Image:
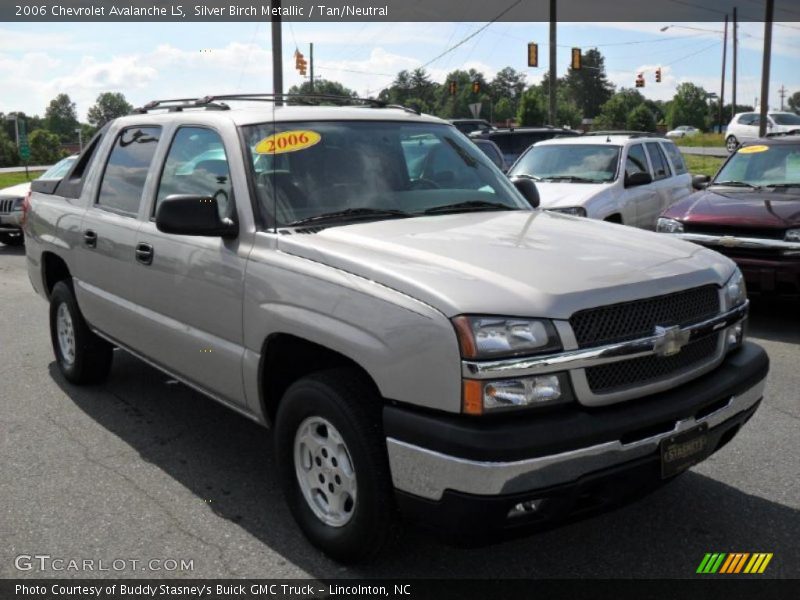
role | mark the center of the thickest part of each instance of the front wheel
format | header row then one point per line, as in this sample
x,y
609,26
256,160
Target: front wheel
x,y
82,356
731,144
333,464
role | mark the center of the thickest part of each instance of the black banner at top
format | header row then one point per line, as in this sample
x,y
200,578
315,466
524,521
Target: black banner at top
x,y
392,10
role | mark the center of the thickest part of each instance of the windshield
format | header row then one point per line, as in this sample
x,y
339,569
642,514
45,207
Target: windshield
x,y
341,170
580,163
761,166
785,119
58,170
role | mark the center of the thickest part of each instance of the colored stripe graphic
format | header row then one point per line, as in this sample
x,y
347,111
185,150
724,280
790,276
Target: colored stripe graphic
x,y
711,562
729,563
740,564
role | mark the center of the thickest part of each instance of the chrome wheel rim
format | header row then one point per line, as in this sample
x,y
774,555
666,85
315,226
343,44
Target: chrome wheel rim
x,y
324,471
66,334
731,144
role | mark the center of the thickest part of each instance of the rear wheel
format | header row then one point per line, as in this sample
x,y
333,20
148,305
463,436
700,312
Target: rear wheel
x,y
333,465
12,239
731,144
82,356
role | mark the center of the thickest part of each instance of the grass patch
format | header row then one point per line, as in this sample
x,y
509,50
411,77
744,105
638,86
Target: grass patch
x,y
709,140
9,179
702,165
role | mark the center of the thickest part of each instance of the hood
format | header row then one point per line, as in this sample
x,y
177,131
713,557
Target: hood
x,y
520,263
777,209
16,191
562,194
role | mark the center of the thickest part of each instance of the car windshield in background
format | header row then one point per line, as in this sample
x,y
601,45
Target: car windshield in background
x,y
786,119
344,171
576,163
775,165
58,170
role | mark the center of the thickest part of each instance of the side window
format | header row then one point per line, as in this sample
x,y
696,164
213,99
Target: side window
x,y
636,161
660,166
676,157
197,165
746,119
126,169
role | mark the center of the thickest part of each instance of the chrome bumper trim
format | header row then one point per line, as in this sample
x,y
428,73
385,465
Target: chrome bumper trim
x,y
591,357
732,241
428,474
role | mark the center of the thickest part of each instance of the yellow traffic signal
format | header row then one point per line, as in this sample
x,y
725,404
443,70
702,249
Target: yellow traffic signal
x,y
533,55
452,88
640,80
658,75
476,87
300,62
576,58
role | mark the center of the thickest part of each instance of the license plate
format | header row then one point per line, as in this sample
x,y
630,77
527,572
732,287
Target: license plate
x,y
683,450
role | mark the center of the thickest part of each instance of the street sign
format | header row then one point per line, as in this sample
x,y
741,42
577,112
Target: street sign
x,y
24,148
475,109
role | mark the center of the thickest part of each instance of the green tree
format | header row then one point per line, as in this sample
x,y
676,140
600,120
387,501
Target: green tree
x,y
506,87
457,106
614,113
588,87
568,115
45,147
415,85
61,118
107,107
8,151
688,107
641,119
503,110
794,102
322,86
532,109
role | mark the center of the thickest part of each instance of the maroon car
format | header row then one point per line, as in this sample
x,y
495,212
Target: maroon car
x,y
750,212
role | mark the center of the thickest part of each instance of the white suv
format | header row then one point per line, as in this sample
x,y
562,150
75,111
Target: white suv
x,y
744,126
627,179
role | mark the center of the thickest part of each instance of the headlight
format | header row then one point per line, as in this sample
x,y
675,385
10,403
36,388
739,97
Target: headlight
x,y
576,211
735,290
664,225
494,337
481,397
793,235
18,204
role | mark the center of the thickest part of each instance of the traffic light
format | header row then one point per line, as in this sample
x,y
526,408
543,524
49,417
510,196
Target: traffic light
x,y
533,55
476,87
452,88
576,58
640,80
300,62
658,75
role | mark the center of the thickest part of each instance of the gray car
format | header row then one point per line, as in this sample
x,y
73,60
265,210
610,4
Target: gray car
x,y
369,284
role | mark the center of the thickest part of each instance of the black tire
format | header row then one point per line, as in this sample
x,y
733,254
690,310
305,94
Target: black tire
x,y
92,354
12,239
614,219
351,404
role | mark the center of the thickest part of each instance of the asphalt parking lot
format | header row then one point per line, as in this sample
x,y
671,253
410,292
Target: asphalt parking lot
x,y
143,468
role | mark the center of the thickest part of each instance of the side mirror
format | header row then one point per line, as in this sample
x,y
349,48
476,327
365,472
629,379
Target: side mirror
x,y
700,182
186,214
640,178
528,190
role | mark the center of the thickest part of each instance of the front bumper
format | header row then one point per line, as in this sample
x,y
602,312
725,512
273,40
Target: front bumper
x,y
437,461
11,222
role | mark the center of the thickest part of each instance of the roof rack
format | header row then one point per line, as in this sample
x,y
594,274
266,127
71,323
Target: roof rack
x,y
213,102
631,134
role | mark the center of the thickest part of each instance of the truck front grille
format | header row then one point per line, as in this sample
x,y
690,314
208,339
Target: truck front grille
x,y
639,318
614,377
6,204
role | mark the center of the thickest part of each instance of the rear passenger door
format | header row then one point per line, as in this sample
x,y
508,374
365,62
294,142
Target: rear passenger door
x,y
108,233
189,289
680,184
639,203
663,180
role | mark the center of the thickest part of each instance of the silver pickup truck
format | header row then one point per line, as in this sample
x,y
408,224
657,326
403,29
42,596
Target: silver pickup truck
x,y
423,340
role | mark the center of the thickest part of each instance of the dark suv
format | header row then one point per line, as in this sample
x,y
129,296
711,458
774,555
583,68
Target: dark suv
x,y
514,141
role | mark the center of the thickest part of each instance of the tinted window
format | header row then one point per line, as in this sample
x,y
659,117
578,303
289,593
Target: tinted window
x,y
197,165
660,166
491,151
786,119
777,164
126,170
747,119
636,161
577,163
676,157
58,170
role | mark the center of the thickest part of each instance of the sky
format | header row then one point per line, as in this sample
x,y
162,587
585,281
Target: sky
x,y
146,61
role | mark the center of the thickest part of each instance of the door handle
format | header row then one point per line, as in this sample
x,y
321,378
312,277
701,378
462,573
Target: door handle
x,y
90,238
144,253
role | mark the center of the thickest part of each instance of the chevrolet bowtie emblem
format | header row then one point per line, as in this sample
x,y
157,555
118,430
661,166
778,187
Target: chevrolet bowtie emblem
x,y
728,241
670,340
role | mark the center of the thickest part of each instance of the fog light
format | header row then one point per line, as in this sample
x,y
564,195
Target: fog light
x,y
525,508
510,393
735,336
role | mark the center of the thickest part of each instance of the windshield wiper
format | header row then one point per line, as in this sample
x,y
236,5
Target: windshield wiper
x,y
572,178
782,185
470,205
737,184
526,176
351,213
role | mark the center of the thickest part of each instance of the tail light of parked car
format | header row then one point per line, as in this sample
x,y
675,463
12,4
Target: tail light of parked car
x,y
26,206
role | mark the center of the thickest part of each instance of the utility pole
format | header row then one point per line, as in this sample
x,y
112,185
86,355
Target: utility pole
x,y
551,113
722,78
768,15
311,65
735,50
277,54
782,94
